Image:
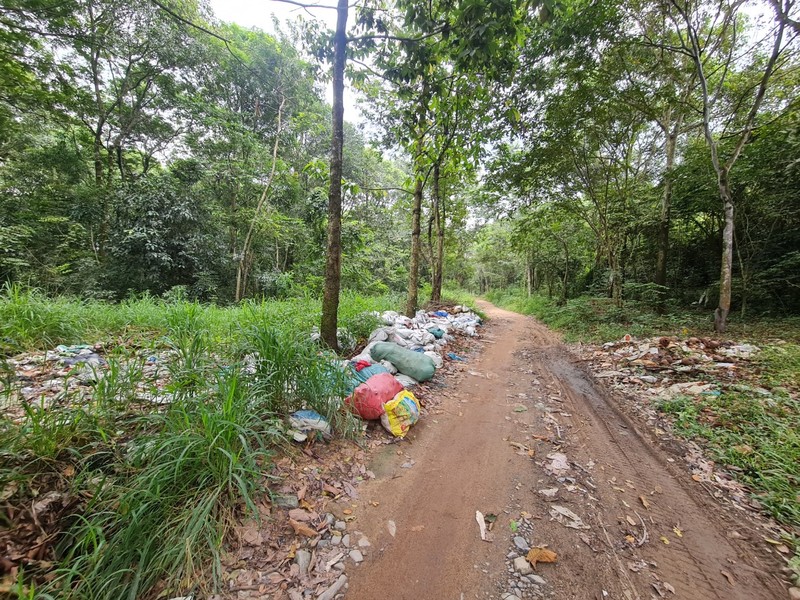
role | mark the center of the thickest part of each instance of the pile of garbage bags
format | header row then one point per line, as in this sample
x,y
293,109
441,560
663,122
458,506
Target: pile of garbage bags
x,y
398,356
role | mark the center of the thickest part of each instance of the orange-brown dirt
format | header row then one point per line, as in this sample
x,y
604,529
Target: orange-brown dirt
x,y
650,530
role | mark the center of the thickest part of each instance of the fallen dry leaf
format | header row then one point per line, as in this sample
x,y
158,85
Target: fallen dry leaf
x,y
541,554
630,539
302,529
677,531
390,525
630,520
644,501
665,540
347,511
729,577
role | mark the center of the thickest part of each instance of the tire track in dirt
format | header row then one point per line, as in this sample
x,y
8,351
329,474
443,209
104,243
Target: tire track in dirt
x,y
464,463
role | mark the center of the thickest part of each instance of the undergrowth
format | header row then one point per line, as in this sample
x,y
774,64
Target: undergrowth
x,y
147,490
752,429
595,319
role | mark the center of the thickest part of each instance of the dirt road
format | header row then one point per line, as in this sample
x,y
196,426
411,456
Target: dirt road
x,y
644,529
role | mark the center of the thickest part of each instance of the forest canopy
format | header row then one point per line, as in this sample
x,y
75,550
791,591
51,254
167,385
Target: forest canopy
x,y
641,150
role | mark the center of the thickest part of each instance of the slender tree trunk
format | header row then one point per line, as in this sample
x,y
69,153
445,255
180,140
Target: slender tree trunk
x,y
564,294
666,205
333,262
726,272
528,276
245,259
616,279
438,262
416,210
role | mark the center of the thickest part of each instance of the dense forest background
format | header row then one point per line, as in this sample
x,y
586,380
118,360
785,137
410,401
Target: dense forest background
x,y
619,149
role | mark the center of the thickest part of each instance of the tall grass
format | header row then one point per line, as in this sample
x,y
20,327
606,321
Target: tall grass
x,y
163,483
29,320
180,489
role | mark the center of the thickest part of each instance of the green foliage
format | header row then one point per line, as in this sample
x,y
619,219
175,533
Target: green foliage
x,y
755,436
182,486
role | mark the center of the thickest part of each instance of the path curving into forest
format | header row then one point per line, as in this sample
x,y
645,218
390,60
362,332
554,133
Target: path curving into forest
x,y
649,530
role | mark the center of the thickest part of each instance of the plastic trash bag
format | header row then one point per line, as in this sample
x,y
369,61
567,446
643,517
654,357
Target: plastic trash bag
x,y
413,364
401,412
305,422
368,398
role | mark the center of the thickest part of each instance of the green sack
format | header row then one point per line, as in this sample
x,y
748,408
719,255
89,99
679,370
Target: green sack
x,y
413,364
437,332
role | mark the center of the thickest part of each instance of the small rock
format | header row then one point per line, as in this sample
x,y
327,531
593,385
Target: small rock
x,y
285,501
794,593
537,580
331,592
522,566
340,526
346,541
521,544
356,556
336,539
330,519
295,595
512,554
303,559
509,596
323,543
363,542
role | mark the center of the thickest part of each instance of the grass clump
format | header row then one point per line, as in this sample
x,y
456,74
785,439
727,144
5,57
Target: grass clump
x,y
151,470
757,438
163,523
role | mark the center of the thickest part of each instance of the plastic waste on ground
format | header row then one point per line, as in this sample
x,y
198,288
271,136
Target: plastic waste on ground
x,y
308,423
401,413
406,381
408,362
362,376
369,397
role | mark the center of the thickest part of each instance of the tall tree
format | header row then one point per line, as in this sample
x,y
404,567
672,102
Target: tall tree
x,y
715,59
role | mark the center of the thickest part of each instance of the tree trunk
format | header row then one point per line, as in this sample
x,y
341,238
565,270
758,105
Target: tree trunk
x,y
416,210
245,258
616,279
726,273
438,261
528,277
333,262
666,205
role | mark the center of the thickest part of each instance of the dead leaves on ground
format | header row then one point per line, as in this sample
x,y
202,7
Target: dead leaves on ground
x,y
541,554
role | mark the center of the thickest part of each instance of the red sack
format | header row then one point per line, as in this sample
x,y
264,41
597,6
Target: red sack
x,y
368,398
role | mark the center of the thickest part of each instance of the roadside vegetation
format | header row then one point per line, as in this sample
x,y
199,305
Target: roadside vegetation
x,y
136,473
751,428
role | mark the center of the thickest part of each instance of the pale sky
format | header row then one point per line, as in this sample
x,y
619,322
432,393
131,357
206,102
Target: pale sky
x,y
259,14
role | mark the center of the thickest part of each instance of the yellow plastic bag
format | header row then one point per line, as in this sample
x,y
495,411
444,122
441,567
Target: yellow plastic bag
x,y
402,412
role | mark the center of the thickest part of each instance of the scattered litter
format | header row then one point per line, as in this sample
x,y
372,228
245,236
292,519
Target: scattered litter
x,y
566,517
456,357
558,465
637,565
308,422
549,493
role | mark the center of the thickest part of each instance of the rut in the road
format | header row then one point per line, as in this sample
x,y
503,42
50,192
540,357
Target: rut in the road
x,y
525,387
